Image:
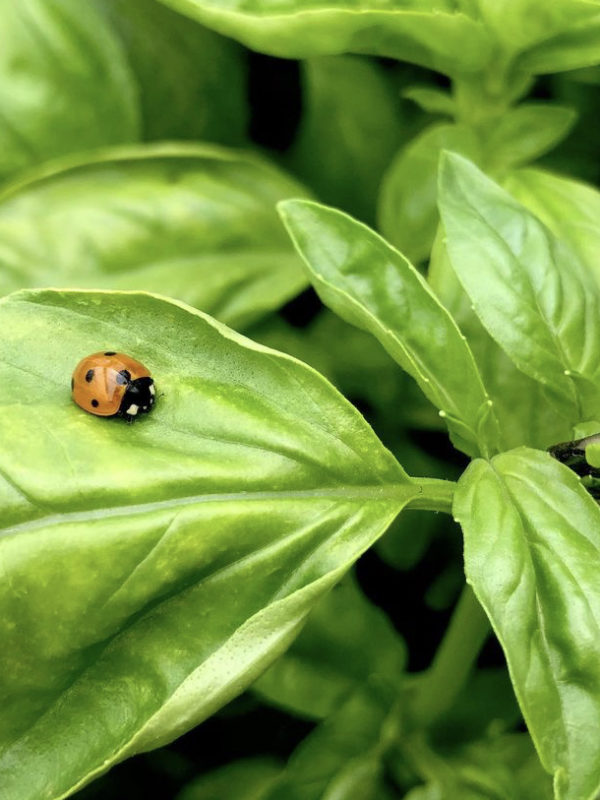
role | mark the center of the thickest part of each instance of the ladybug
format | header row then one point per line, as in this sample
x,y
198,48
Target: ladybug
x,y
113,385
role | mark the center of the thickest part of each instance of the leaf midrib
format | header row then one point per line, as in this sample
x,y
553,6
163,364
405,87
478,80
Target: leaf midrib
x,y
360,493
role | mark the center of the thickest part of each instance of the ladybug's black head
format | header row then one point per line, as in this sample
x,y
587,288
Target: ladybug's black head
x,y
138,399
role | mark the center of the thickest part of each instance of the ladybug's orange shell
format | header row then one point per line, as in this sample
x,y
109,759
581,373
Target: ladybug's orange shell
x,y
95,386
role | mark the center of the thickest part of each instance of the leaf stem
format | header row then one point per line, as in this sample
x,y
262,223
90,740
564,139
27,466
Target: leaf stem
x,y
453,661
435,495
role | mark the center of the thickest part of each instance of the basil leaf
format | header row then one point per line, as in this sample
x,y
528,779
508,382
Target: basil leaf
x,y
65,84
198,92
152,572
407,211
196,222
350,117
571,209
432,34
346,642
247,779
532,543
373,286
528,288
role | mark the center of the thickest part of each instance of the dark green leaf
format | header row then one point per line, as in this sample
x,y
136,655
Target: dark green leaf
x,y
346,642
532,545
350,118
65,85
191,81
373,286
195,222
152,572
250,779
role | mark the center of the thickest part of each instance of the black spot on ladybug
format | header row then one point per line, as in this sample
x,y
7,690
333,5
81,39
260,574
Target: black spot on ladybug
x,y
72,384
110,353
123,377
89,375
95,403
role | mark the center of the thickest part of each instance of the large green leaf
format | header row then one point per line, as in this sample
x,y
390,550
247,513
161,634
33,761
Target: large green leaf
x,y
64,82
528,288
373,286
532,545
346,642
571,209
150,573
194,222
350,117
198,92
433,34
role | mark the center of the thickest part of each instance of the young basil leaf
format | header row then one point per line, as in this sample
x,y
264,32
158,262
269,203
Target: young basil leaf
x,y
529,289
152,572
571,209
532,544
343,758
198,92
431,99
373,286
247,779
351,117
524,133
526,411
346,642
65,85
196,222
407,211
432,34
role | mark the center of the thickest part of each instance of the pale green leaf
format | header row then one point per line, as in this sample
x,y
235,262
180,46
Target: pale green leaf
x,y
528,288
532,544
433,34
195,222
65,84
571,209
152,572
407,210
525,409
370,284
524,133
431,99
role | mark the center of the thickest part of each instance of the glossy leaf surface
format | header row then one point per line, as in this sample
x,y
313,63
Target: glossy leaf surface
x,y
195,222
65,84
528,288
532,543
571,209
434,34
151,572
373,286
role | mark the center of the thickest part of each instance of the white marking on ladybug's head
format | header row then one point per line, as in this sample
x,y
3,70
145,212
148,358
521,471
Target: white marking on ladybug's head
x,y
152,389
133,409
144,408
